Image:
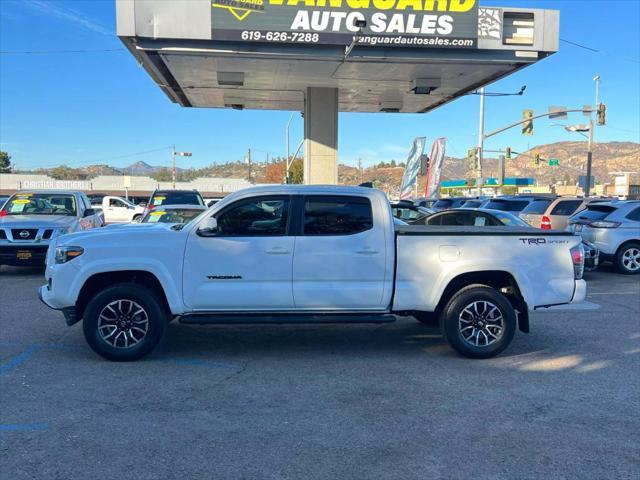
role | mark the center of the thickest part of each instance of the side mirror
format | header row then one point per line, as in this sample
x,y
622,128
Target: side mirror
x,y
89,212
208,227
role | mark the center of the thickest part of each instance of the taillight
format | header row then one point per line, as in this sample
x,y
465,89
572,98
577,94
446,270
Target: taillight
x,y
3,213
577,257
546,223
604,224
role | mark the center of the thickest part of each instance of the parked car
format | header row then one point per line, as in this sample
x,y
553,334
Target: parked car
x,y
425,202
513,204
118,210
173,197
497,218
31,219
451,202
410,213
173,214
614,228
238,264
553,213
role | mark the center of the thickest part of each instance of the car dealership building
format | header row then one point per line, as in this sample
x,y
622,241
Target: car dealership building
x,y
321,57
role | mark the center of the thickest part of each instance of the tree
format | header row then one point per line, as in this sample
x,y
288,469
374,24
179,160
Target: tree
x,y
274,172
5,162
63,172
296,171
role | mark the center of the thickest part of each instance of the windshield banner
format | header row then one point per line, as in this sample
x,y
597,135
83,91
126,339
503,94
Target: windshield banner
x,y
387,23
412,168
436,161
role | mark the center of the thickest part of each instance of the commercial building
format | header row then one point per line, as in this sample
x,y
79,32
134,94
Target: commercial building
x,y
321,57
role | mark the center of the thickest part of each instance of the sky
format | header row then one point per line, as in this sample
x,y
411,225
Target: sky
x,y
102,108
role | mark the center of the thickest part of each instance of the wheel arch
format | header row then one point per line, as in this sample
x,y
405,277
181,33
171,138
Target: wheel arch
x,y
98,281
500,280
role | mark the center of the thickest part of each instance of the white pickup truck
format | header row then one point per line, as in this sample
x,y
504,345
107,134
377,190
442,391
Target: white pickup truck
x,y
119,210
294,254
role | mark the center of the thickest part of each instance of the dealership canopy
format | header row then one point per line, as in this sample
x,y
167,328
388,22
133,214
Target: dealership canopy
x,y
322,57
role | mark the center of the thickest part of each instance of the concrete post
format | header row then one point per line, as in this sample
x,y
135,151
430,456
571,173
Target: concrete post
x,y
321,136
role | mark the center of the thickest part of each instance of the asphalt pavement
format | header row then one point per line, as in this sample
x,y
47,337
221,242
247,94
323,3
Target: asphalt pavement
x,y
324,402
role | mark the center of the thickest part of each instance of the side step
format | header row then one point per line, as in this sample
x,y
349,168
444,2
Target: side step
x,y
283,318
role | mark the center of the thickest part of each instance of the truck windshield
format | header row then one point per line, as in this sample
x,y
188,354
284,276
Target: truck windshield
x,y
40,204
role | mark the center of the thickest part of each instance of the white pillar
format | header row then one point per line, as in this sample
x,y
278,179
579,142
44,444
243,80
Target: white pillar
x,y
321,136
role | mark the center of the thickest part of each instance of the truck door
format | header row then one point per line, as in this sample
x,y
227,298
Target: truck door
x,y
246,265
340,258
117,211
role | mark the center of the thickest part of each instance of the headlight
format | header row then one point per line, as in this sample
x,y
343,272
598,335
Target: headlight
x,y
64,254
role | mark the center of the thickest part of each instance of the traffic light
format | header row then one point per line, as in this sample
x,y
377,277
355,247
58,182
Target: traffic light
x,y
507,153
527,126
536,158
472,158
602,114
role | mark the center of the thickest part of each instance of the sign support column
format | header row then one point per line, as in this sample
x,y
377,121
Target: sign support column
x,y
321,136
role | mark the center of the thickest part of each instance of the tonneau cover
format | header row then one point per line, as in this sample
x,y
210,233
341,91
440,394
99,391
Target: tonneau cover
x,y
446,230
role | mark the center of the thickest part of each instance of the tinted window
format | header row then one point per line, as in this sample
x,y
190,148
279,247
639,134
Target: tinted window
x,y
472,204
633,215
114,202
537,207
507,205
461,219
337,215
407,214
446,203
177,198
257,217
566,207
593,212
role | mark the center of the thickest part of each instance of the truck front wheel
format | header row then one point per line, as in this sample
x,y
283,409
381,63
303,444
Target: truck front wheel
x,y
479,322
124,322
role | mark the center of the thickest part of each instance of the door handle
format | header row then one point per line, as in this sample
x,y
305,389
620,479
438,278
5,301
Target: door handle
x,y
367,252
277,251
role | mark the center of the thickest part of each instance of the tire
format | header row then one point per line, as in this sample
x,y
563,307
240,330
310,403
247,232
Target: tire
x,y
627,259
474,311
136,217
116,329
428,318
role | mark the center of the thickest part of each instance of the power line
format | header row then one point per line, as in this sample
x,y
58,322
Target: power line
x,y
53,52
594,50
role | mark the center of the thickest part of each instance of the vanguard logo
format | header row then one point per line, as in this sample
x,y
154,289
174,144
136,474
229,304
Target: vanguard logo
x,y
240,8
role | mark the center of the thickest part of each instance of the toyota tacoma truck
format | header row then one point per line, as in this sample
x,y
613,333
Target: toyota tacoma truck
x,y
31,219
119,210
295,254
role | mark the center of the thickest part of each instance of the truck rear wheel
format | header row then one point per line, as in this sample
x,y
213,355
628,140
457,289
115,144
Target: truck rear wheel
x,y
124,322
479,322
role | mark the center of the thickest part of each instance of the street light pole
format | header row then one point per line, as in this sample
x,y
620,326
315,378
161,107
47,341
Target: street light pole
x,y
480,142
592,125
287,142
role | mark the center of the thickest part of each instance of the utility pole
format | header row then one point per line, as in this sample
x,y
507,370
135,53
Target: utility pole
x,y
592,126
173,170
249,164
480,142
360,169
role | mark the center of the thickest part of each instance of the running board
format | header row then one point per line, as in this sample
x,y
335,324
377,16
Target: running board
x,y
282,318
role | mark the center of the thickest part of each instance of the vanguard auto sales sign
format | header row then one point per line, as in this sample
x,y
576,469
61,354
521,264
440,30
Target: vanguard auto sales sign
x,y
387,23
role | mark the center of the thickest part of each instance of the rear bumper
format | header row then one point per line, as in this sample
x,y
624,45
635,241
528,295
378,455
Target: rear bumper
x,y
19,255
580,292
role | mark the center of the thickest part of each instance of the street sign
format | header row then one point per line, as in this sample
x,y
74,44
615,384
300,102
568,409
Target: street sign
x,y
582,181
558,112
554,162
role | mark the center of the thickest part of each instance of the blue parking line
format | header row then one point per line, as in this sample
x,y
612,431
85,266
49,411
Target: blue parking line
x,y
18,359
23,427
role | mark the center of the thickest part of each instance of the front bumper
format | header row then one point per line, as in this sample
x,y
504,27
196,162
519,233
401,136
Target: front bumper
x,y
23,254
69,313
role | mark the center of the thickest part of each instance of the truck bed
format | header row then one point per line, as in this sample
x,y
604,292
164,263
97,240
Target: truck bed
x,y
477,231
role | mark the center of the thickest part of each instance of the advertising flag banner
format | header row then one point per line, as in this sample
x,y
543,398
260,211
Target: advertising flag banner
x,y
435,167
384,23
410,176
